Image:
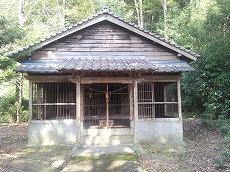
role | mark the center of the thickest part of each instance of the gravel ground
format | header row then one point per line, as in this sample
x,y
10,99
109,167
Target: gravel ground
x,y
198,154
204,147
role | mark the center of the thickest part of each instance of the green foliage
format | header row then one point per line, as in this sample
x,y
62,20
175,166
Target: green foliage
x,y
219,162
207,89
222,160
6,68
8,109
9,32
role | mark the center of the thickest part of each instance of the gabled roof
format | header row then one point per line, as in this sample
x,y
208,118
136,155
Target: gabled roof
x,y
107,15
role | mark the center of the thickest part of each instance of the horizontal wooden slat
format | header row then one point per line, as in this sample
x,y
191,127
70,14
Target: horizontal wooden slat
x,y
100,45
102,39
53,104
105,41
148,56
80,49
156,103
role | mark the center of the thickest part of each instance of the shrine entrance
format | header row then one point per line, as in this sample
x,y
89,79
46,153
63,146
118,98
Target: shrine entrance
x,y
106,105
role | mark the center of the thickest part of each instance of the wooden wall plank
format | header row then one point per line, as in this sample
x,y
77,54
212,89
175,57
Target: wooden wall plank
x,y
104,38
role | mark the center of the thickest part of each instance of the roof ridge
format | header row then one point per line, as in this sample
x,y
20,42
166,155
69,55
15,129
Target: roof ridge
x,y
105,10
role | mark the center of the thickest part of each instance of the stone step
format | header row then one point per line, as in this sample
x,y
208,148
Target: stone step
x,y
107,140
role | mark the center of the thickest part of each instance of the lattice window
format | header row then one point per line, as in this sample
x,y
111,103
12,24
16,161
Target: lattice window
x,y
54,101
157,100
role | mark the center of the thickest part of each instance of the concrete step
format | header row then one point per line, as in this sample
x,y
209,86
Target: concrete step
x,y
96,150
107,140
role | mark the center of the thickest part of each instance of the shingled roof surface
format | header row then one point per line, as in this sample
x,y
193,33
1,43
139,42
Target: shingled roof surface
x,y
105,11
70,65
111,64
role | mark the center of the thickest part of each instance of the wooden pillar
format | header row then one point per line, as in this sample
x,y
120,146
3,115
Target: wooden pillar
x,y
82,107
107,106
30,101
153,101
135,112
131,102
165,100
78,110
39,101
179,99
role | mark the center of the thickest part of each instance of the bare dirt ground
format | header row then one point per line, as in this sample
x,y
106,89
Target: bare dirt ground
x,y
198,154
202,147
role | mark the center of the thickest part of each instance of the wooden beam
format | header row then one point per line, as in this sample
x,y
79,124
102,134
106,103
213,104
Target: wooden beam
x,y
45,78
90,80
78,111
158,78
135,112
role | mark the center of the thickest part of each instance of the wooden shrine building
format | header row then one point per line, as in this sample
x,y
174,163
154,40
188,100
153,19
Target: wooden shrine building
x,y
104,80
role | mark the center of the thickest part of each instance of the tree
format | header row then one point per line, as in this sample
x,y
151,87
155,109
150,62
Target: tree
x,y
210,83
10,33
164,5
139,12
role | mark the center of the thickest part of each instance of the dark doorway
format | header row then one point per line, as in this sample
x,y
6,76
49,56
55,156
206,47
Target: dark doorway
x,y
106,105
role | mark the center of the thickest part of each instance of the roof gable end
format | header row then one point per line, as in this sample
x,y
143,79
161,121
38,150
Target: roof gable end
x,y
107,15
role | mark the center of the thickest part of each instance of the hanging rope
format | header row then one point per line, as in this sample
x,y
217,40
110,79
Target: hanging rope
x,y
99,91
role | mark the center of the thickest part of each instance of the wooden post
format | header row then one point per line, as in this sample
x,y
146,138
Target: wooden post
x,y
44,101
165,100
107,106
39,101
131,102
57,100
135,112
30,100
78,110
179,100
82,107
153,101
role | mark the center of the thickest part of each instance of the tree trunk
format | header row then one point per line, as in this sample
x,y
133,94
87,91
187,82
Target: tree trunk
x,y
19,92
21,12
141,14
61,14
139,11
164,5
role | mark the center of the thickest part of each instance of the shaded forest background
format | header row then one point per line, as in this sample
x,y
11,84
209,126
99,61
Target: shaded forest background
x,y
200,25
